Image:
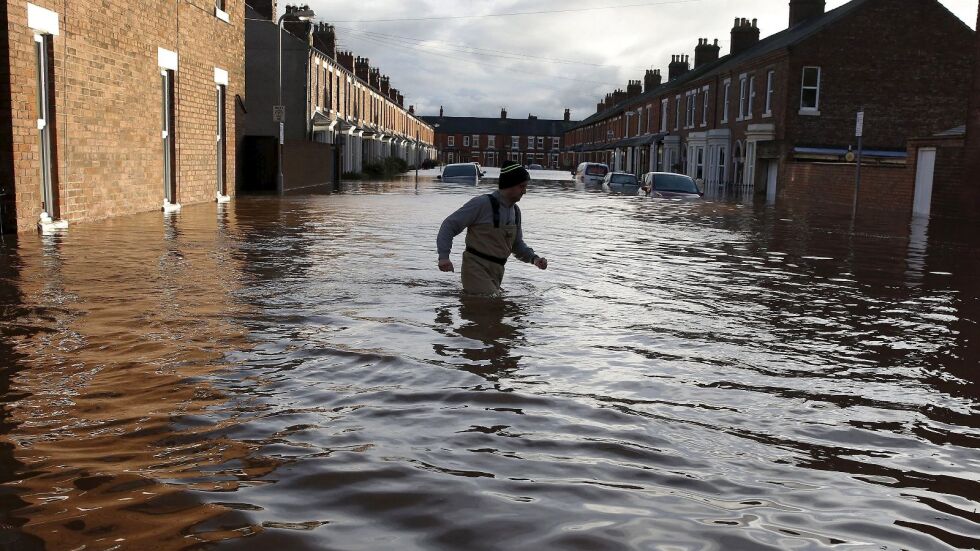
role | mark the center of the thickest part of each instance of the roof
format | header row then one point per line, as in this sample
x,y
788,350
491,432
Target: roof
x,y
488,125
781,40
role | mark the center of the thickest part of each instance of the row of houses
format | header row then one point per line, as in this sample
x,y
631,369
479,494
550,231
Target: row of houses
x,y
777,116
109,108
491,141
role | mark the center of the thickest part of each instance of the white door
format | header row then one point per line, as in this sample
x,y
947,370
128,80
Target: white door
x,y
771,177
923,181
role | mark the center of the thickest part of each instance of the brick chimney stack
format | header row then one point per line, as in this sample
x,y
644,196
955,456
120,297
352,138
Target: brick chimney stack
x,y
568,115
618,96
400,99
266,8
679,65
411,109
634,88
652,79
362,68
385,85
503,113
325,39
706,52
745,34
801,10
600,107
346,60
375,75
300,29
440,111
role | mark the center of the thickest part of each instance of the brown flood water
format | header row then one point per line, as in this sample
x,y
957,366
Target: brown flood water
x,y
295,374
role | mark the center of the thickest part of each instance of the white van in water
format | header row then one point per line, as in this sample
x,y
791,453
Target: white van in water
x,y
591,173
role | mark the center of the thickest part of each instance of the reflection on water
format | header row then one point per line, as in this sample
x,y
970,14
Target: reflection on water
x,y
295,373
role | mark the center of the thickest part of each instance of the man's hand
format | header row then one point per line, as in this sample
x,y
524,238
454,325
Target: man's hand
x,y
446,265
541,263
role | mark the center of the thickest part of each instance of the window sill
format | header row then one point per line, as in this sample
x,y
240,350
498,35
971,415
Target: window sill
x,y
222,15
810,112
767,115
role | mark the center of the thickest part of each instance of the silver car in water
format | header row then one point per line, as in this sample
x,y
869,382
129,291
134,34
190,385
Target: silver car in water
x,y
461,173
622,183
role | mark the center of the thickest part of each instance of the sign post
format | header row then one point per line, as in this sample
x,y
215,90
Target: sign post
x,y
859,133
279,116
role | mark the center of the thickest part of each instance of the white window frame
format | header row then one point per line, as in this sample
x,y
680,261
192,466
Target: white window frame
x,y
540,142
649,126
515,142
491,141
726,107
770,92
451,141
530,142
743,93
751,97
677,112
466,140
475,141
219,10
815,110
555,142
705,105
664,114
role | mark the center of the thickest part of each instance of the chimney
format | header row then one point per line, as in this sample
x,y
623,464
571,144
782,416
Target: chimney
x,y
531,117
679,65
634,88
401,99
745,34
325,39
265,8
801,10
411,109
652,79
440,111
600,107
301,29
503,113
385,85
618,96
568,115
375,81
706,52
362,68
346,60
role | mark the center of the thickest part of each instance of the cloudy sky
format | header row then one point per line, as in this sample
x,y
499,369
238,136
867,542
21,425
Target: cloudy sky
x,y
538,63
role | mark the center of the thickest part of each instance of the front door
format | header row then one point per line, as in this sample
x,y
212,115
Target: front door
x,y
220,138
924,173
169,150
45,126
772,174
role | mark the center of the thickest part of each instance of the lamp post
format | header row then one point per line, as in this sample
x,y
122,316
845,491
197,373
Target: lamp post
x,y
303,13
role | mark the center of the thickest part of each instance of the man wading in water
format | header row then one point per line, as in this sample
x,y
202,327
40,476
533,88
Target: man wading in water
x,y
493,233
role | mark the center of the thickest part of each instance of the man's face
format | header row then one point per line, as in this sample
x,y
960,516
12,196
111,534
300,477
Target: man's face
x,y
514,194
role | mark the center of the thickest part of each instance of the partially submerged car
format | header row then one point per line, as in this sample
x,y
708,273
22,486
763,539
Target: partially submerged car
x,y
591,173
461,173
621,182
668,185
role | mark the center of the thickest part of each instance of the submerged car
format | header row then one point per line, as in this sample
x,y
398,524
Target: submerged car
x,y
535,167
461,173
668,185
591,173
621,182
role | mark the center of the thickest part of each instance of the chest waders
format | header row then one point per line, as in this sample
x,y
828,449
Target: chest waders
x,y
487,248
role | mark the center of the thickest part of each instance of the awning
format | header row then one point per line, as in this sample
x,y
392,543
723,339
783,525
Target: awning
x,y
323,123
840,152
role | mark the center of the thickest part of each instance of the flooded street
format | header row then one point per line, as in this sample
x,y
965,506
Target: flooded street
x,y
296,374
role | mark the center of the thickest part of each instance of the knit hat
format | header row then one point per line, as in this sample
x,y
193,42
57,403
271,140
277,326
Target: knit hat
x,y
512,174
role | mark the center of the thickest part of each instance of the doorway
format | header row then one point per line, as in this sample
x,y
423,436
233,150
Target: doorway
x,y
924,173
46,127
221,138
169,145
772,173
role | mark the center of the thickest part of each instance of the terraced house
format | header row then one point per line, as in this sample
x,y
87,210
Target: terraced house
x,y
110,108
491,141
777,115
340,113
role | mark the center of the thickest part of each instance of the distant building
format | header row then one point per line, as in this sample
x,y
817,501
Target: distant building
x,y
777,116
491,141
341,113
117,107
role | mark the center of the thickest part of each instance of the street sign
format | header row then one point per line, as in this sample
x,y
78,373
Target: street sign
x,y
278,113
859,131
282,133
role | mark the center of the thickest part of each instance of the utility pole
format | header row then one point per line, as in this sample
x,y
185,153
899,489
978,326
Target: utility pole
x,y
859,132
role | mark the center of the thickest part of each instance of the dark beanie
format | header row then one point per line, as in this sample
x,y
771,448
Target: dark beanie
x,y
512,174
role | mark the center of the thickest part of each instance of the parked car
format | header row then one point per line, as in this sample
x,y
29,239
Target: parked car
x,y
461,173
671,186
621,182
591,173
535,167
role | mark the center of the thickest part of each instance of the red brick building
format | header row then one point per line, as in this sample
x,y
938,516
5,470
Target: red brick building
x,y
759,117
490,142
116,107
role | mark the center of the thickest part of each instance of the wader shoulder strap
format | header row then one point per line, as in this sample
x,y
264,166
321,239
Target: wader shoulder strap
x,y
517,215
495,204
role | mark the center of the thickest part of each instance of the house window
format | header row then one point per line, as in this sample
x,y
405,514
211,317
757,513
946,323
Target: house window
x,y
690,106
476,140
220,11
466,141
810,100
677,113
515,142
770,88
649,123
491,142
728,101
555,143
540,142
743,96
530,142
663,115
751,97
451,141
704,107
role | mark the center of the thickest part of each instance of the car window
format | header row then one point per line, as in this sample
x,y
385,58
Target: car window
x,y
453,171
596,170
675,183
624,179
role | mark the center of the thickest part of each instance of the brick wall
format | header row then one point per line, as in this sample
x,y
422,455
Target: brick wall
x,y
885,189
972,153
108,103
6,129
